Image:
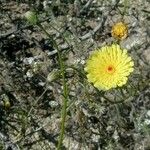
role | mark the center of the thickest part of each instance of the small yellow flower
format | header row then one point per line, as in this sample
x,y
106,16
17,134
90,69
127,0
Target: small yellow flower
x,y
109,67
119,31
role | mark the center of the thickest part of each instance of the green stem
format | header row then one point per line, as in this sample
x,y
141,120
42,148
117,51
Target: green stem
x,y
125,7
65,88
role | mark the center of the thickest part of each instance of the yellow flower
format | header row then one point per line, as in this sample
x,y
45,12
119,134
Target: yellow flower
x,y
119,31
109,67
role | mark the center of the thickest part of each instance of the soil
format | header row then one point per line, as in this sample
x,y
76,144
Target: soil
x,y
31,97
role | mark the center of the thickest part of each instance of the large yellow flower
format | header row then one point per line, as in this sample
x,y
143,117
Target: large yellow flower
x,y
109,67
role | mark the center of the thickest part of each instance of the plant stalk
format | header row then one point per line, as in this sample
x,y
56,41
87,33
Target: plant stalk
x,y
125,7
65,88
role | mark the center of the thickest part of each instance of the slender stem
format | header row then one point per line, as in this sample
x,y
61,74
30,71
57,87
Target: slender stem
x,y
60,34
65,88
36,101
125,7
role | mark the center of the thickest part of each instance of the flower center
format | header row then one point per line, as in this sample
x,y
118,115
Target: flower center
x,y
110,69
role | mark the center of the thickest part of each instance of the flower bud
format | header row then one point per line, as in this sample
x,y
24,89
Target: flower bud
x,y
53,75
31,17
6,102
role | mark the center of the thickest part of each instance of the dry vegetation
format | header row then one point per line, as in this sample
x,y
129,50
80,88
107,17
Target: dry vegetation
x,y
30,104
